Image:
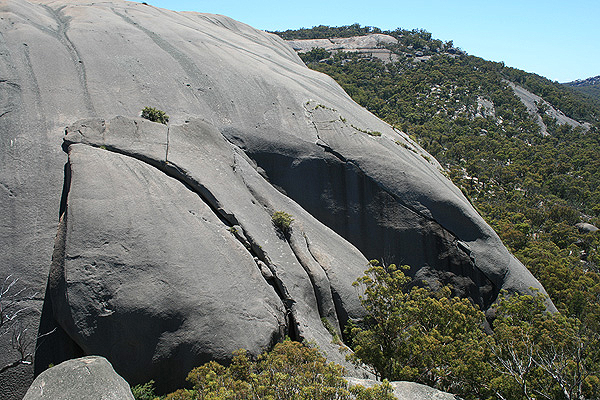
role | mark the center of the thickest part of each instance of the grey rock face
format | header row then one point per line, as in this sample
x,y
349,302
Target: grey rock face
x,y
407,390
164,236
532,101
165,248
370,45
87,378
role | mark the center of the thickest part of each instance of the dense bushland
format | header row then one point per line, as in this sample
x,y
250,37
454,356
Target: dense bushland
x,y
412,333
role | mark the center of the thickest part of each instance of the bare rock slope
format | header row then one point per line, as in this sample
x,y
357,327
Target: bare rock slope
x,y
165,254
371,45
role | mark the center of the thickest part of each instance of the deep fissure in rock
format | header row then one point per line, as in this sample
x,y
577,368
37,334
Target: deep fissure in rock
x,y
276,283
340,311
54,345
311,278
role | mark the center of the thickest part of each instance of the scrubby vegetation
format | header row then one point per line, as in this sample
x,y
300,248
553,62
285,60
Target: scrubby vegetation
x,y
291,371
412,333
155,115
324,32
282,221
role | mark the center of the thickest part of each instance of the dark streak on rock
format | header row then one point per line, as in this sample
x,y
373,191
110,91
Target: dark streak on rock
x,y
61,34
8,190
190,68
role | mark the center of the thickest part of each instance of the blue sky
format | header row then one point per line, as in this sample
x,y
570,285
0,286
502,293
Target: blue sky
x,y
556,39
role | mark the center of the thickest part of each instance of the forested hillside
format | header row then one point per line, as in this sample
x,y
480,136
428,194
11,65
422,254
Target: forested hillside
x,y
589,87
533,189
539,190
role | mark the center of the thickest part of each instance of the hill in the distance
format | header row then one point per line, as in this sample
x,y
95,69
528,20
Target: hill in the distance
x,y
523,148
589,87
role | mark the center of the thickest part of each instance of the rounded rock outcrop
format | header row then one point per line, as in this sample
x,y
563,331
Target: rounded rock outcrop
x,y
86,378
165,247
585,227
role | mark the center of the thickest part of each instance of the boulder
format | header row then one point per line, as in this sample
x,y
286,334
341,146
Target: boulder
x,y
162,246
584,227
407,390
86,378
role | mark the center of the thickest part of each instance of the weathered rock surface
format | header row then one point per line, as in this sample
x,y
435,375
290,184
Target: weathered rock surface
x,y
371,45
165,249
407,390
534,102
584,227
158,261
86,378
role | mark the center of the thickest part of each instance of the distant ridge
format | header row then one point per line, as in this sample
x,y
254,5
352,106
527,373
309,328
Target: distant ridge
x,y
589,87
595,80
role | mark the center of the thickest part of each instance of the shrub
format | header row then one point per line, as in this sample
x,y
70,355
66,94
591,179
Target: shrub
x,y
155,115
291,371
144,392
282,221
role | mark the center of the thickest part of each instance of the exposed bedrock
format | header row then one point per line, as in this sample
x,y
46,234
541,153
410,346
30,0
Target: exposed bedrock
x,y
165,243
391,203
165,262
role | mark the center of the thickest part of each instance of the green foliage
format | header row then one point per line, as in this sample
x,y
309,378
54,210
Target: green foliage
x,y
144,392
590,92
415,334
538,354
290,371
331,329
316,54
367,131
155,115
323,32
282,221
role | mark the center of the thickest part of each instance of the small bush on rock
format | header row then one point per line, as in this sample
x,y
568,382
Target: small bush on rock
x,y
155,115
282,221
144,392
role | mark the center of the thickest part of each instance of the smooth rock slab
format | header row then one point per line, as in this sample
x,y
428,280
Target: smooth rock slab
x,y
87,378
130,208
404,390
584,227
147,275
